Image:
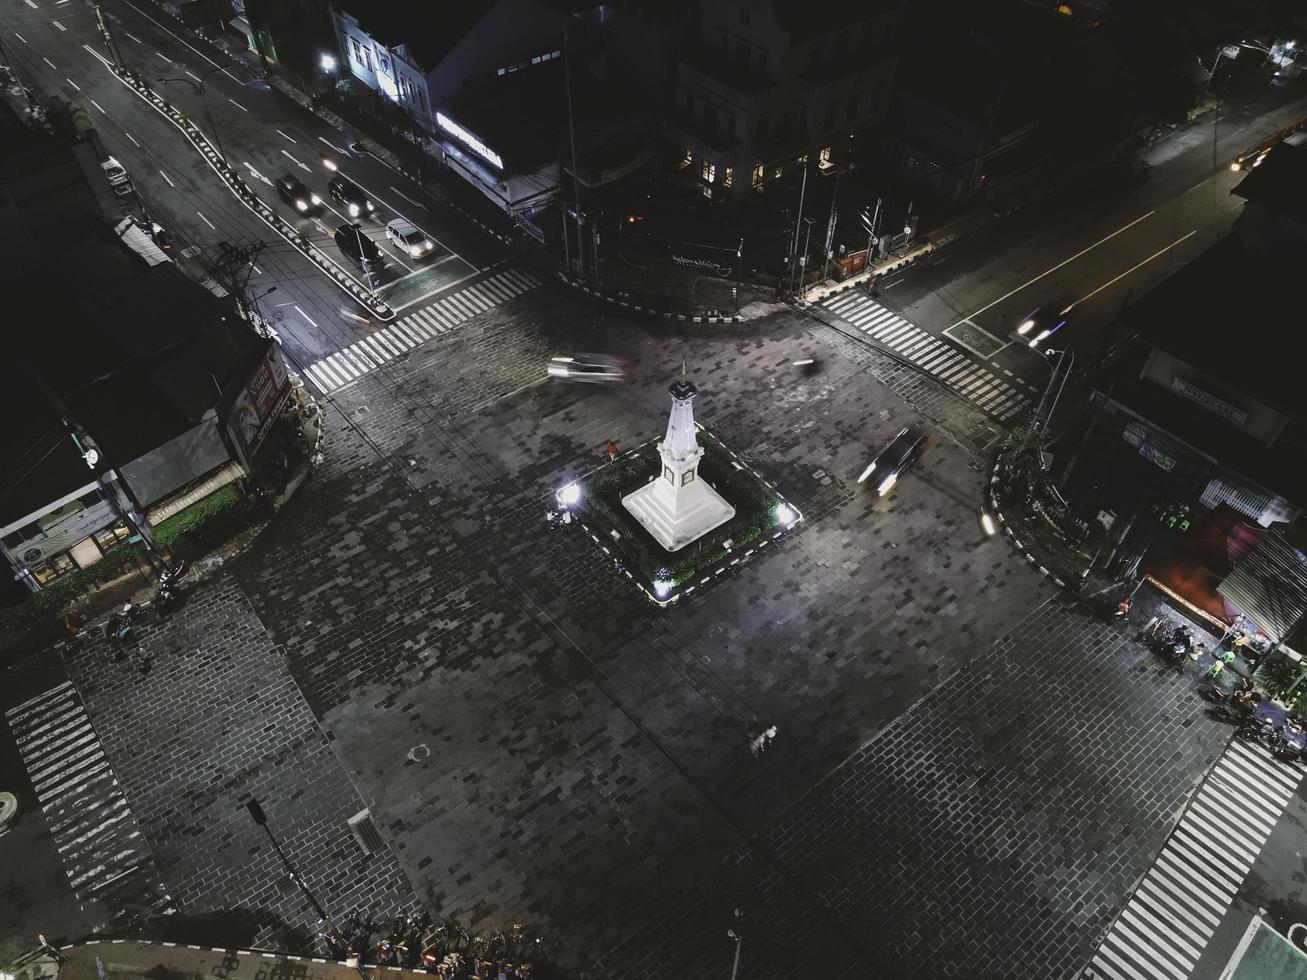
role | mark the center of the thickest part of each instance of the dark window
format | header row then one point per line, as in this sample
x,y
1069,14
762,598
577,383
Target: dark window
x,y
829,120
803,119
89,499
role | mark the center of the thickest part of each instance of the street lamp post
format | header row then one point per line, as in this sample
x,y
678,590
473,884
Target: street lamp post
x,y
204,105
738,937
1067,355
260,818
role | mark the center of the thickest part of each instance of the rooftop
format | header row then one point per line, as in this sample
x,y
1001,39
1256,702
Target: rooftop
x,y
1231,306
1278,469
1279,182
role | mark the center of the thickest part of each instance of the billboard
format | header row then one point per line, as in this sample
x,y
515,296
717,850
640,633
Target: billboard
x,y
255,404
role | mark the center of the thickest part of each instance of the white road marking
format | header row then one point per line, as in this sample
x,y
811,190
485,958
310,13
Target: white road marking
x,y
31,4
193,75
133,37
405,196
95,54
257,176
410,332
1134,267
180,39
334,146
1046,272
50,63
377,198
164,57
207,221
258,271
72,83
305,315
171,184
280,133
238,105
131,137
59,25
20,37
286,153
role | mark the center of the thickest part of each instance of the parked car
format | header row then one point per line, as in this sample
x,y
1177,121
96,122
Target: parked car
x,y
350,196
292,190
893,461
356,245
409,238
586,367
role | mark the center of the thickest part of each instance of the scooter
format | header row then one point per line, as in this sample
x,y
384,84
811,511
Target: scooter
x,y
168,593
119,627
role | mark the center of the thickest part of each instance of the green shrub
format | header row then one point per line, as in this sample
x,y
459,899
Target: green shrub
x,y
601,508
198,513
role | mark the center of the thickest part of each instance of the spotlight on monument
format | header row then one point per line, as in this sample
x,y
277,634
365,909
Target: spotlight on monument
x,y
662,588
569,496
785,515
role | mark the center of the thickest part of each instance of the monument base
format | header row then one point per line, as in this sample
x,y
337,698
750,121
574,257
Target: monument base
x,y
698,510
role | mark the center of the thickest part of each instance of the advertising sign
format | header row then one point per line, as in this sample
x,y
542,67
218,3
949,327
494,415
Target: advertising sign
x,y
708,260
257,403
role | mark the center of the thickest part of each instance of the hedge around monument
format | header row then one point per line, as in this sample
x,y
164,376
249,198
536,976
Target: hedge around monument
x,y
601,508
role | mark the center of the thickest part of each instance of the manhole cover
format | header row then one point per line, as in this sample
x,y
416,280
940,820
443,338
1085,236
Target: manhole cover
x,y
419,752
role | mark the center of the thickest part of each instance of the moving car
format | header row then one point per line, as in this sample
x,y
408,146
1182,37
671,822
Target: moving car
x,y
350,196
586,367
1044,321
292,190
351,240
894,460
409,238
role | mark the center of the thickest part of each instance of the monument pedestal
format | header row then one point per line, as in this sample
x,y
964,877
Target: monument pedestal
x,y
678,507
677,519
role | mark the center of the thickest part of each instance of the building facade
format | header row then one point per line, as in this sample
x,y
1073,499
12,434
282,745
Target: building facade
x,y
772,83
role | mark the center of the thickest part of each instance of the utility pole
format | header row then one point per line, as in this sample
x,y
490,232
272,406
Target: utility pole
x,y
576,176
109,42
803,260
830,224
871,233
794,253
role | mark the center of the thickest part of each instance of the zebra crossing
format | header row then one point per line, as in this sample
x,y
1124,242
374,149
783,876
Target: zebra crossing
x,y
103,853
417,328
933,355
1170,918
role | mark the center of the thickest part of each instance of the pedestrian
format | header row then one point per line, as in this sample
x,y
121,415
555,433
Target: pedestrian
x,y
58,956
1123,608
73,622
611,449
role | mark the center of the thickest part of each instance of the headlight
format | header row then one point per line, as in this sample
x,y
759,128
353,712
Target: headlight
x,y
867,472
315,199
886,484
302,205
353,210
369,205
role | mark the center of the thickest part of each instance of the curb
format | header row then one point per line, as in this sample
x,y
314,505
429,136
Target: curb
x,y
1007,529
650,311
857,282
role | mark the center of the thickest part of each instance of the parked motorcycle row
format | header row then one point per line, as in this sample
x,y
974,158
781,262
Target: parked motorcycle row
x,y
446,950
1255,719
121,628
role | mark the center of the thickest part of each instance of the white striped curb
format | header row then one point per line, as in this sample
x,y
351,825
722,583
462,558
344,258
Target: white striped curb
x,y
993,503
684,317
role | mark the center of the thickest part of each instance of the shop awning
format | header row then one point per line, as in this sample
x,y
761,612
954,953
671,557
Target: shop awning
x,y
1270,585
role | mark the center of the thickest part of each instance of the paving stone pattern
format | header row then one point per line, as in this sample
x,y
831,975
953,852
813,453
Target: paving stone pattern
x,y
218,719
991,831
532,730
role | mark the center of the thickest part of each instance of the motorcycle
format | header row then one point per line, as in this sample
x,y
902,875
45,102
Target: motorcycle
x,y
1257,730
1291,746
119,628
168,593
1174,646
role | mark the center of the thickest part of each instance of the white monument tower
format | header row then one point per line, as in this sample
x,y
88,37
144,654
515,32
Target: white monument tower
x,y
678,507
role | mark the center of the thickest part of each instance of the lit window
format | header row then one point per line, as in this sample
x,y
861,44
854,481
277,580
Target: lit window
x,y
501,71
558,54
709,172
535,60
756,180
52,569
802,160
109,537
777,172
823,159
687,158
728,176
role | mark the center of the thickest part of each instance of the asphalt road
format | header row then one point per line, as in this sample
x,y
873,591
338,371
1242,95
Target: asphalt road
x,y
58,48
1093,252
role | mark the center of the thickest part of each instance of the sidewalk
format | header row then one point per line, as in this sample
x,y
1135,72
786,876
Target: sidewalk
x,y
124,960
